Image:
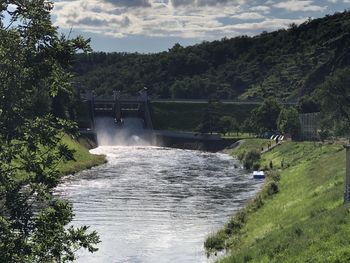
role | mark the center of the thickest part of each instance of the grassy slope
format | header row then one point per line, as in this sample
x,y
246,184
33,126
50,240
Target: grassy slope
x,y
83,159
306,221
187,116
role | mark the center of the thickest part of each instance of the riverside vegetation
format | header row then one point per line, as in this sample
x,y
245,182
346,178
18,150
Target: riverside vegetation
x,y
34,149
299,215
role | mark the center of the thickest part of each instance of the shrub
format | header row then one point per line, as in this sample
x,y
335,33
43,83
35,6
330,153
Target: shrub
x,y
241,156
251,159
274,176
271,188
236,223
256,166
215,241
248,164
253,155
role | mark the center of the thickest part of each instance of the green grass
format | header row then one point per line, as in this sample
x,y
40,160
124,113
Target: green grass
x,y
83,159
306,221
249,145
187,116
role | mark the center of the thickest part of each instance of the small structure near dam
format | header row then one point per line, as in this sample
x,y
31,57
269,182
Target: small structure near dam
x,y
118,120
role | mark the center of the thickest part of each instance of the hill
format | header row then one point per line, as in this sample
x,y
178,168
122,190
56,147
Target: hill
x,y
287,64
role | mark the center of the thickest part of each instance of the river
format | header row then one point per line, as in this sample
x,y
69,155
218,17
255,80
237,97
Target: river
x,y
153,204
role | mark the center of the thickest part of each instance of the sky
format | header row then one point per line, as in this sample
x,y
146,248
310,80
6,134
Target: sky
x,y
149,26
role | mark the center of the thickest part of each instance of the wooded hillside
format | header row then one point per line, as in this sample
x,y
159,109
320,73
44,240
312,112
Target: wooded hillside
x,y
285,63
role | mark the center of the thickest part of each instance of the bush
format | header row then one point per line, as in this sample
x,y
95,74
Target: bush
x,y
241,156
274,176
251,160
236,223
253,155
271,188
215,241
256,166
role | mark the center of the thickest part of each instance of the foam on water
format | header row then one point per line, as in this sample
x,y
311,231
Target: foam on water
x,y
131,132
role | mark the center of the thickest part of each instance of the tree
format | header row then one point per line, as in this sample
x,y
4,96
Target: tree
x,y
265,117
288,121
34,60
334,96
308,104
211,118
228,124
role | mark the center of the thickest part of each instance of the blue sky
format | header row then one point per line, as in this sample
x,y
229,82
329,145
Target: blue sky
x,y
156,25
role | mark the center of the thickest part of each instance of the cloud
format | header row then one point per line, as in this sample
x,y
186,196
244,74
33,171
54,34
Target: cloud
x,y
129,3
261,8
300,5
248,16
200,19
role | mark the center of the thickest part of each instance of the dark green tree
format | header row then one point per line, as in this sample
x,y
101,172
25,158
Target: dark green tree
x,y
228,124
265,117
34,60
288,122
211,118
334,96
308,104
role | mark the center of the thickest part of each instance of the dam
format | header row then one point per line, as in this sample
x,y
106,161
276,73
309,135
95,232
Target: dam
x,y
125,118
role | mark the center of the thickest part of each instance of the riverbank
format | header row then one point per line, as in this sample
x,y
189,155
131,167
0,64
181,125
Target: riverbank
x,y
83,159
306,220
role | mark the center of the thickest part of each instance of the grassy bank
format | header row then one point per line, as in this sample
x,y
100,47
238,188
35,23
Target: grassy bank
x,y
83,159
306,220
187,116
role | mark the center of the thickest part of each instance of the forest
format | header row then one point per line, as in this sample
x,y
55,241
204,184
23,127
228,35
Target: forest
x,y
286,64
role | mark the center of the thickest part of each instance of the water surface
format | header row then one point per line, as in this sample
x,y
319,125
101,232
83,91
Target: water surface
x,y
152,204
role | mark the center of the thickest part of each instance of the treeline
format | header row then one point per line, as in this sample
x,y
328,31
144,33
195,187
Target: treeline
x,y
286,64
330,99
34,80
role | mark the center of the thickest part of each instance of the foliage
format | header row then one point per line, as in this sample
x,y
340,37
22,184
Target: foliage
x,y
264,118
288,121
334,96
251,158
187,116
34,60
211,118
228,124
284,64
308,104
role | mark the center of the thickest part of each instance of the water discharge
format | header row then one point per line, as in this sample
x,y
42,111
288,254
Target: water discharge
x,y
129,132
153,204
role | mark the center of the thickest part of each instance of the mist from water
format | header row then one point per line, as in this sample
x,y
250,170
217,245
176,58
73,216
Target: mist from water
x,y
130,133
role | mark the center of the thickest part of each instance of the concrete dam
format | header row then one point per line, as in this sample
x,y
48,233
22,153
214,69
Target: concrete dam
x,y
120,120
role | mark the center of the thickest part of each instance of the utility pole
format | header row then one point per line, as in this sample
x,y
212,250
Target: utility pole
x,y
347,178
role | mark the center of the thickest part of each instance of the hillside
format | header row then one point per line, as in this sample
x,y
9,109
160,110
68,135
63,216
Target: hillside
x,y
306,221
285,63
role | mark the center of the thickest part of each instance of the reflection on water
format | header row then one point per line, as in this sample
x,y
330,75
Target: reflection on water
x,y
152,204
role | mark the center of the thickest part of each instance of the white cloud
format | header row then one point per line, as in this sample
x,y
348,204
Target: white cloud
x,y
261,8
248,16
300,5
201,19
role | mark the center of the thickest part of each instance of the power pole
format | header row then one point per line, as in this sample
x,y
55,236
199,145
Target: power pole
x,y
347,178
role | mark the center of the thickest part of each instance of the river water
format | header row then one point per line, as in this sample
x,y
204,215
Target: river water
x,y
152,204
